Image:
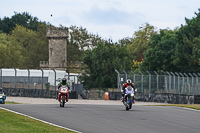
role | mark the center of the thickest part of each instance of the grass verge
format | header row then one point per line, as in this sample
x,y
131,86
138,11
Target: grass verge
x,y
6,102
191,106
15,123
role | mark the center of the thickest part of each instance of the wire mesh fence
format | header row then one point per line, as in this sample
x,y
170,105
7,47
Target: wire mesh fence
x,y
176,83
36,83
34,79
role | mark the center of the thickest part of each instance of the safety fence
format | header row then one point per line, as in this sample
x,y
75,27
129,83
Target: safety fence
x,y
36,83
168,82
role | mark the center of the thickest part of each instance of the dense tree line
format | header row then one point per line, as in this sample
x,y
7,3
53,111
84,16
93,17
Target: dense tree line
x,y
23,41
101,64
175,50
23,44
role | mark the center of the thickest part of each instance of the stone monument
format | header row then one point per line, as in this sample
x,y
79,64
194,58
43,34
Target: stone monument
x,y
57,39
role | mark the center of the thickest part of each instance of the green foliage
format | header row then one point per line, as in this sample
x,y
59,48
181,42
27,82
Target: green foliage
x,y
26,44
22,19
3,49
140,40
135,65
125,41
176,51
79,41
27,48
160,52
101,64
47,85
187,53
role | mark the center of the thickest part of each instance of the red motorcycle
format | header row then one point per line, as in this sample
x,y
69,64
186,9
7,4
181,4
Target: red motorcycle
x,y
63,95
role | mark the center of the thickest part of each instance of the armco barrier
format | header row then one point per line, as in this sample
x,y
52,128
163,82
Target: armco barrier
x,y
196,99
161,98
115,95
73,95
166,98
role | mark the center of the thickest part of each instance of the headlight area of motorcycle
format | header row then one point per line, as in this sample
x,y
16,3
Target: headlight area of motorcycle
x,y
132,94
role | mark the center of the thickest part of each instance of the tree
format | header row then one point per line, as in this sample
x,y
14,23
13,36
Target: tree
x,y
125,41
140,40
4,43
23,19
31,46
101,64
79,41
187,54
160,52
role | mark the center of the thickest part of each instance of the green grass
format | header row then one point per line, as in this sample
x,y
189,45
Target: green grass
x,y
15,123
6,102
191,106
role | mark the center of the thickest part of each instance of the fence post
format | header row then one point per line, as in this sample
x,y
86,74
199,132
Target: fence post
x,y
187,82
1,77
133,76
125,74
157,79
149,83
178,82
55,80
141,82
174,81
197,82
42,81
117,80
28,78
183,80
192,83
15,76
169,81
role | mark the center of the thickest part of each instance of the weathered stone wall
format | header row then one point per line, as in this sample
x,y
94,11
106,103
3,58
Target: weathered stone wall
x,y
161,98
166,98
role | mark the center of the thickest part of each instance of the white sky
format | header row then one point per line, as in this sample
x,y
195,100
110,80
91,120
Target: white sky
x,y
110,19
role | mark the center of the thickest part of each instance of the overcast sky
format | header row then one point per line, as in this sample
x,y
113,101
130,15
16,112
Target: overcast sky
x,y
110,19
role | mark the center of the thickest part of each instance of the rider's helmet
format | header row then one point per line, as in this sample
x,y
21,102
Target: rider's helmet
x,y
129,82
64,81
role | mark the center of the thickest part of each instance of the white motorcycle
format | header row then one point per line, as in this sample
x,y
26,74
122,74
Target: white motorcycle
x,y
129,97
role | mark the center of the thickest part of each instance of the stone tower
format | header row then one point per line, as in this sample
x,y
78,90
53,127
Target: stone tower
x,y
57,38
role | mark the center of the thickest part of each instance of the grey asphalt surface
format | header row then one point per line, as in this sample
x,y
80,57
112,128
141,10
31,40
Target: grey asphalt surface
x,y
89,118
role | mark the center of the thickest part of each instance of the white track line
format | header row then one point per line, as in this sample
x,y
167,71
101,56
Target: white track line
x,y
39,120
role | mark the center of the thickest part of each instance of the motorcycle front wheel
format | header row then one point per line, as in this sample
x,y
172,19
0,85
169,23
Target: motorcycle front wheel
x,y
130,103
63,102
126,105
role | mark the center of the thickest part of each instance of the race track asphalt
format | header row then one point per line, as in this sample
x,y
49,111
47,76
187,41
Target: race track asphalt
x,y
88,118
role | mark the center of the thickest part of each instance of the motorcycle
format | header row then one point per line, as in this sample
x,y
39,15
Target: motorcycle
x,y
63,95
128,97
2,98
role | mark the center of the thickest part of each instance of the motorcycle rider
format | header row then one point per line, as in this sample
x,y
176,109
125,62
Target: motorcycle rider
x,y
62,82
2,92
128,83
